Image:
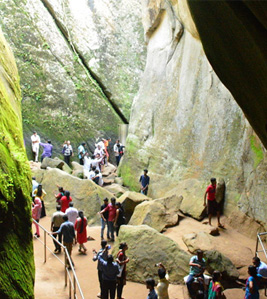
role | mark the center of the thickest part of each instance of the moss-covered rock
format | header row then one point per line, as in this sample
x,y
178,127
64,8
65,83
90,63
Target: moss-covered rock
x,y
16,251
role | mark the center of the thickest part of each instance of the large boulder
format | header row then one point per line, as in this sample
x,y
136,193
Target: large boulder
x,y
146,247
16,250
130,200
108,169
116,189
195,241
52,163
158,213
87,196
217,261
77,170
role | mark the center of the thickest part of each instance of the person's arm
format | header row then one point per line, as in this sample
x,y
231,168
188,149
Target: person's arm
x,y
103,211
140,181
250,285
205,196
52,224
116,217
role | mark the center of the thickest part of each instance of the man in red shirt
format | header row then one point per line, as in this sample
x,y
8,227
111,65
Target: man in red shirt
x,y
111,208
212,203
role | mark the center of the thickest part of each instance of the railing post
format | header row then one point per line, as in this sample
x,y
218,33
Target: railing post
x,y
44,246
74,286
257,243
66,274
70,289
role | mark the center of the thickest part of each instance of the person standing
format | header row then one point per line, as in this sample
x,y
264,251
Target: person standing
x,y
72,213
163,284
67,152
40,192
104,219
65,201
210,194
99,268
35,139
47,150
215,287
86,165
68,232
116,150
120,218
110,270
81,152
144,182
252,283
197,267
122,260
106,144
150,285
111,208
36,213
35,184
61,193
80,227
56,221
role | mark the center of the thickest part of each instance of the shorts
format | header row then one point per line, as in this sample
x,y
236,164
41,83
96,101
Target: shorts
x,y
212,206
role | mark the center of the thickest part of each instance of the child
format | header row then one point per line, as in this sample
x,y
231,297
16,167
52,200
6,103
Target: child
x,y
150,284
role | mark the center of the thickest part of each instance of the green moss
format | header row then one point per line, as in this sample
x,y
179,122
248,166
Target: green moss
x,y
16,251
257,150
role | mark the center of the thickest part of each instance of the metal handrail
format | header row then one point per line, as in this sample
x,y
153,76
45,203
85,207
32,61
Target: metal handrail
x,y
73,281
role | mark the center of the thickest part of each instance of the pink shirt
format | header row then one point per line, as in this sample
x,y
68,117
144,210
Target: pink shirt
x,y
111,211
37,208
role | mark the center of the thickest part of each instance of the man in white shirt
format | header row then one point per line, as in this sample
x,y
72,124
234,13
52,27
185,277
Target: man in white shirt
x,y
261,267
91,173
86,165
35,145
116,150
95,161
99,151
72,213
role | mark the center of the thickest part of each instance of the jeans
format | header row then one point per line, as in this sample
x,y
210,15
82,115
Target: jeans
x,y
118,160
144,191
111,229
103,224
189,282
100,281
109,288
120,286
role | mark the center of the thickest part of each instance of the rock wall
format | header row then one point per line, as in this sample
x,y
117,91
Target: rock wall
x,y
80,64
185,126
16,252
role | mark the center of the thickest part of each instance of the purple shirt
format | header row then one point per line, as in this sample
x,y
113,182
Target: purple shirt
x,y
47,149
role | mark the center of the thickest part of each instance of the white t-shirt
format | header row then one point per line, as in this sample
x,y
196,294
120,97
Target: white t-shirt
x,y
99,151
96,162
36,144
91,174
100,182
86,163
102,145
116,149
72,214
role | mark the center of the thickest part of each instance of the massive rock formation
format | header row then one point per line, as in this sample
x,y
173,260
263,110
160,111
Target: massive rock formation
x,y
80,64
16,254
233,34
185,125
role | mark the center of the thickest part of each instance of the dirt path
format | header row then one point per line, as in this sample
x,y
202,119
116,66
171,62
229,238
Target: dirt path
x,y
49,281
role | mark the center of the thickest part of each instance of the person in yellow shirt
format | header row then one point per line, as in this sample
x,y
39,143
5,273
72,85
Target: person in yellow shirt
x,y
163,284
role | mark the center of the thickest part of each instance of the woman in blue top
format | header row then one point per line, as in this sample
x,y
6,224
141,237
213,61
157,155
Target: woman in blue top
x,y
252,284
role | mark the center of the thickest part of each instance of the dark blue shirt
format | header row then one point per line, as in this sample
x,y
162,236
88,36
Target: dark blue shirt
x,y
144,180
68,232
109,271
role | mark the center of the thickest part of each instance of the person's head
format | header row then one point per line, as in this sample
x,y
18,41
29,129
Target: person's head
x,y
80,213
256,261
106,201
58,207
161,273
71,204
150,284
39,190
113,201
67,194
118,205
49,141
117,141
97,156
216,276
60,189
83,143
94,168
97,171
65,218
99,146
68,142
252,271
103,244
92,157
213,181
123,246
110,259
34,133
145,171
199,254
33,178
